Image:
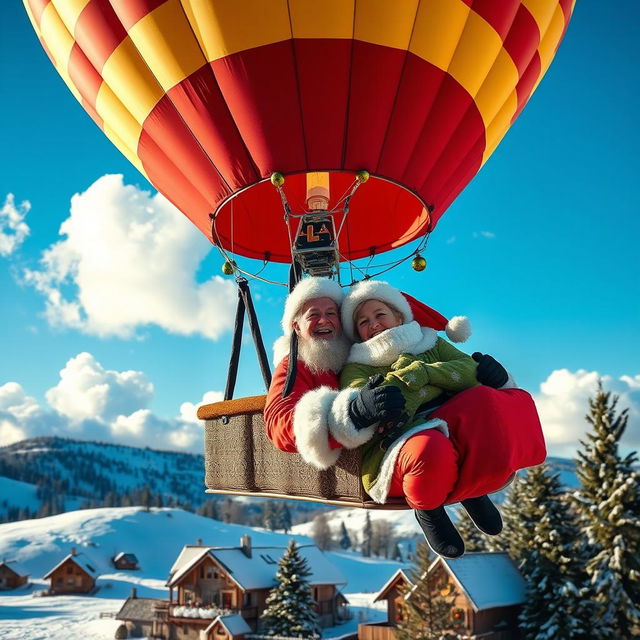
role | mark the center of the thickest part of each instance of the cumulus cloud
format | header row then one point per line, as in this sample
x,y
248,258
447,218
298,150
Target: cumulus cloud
x,y
563,403
129,259
94,403
13,228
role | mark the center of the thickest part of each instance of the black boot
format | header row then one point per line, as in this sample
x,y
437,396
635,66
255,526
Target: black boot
x,y
484,515
441,534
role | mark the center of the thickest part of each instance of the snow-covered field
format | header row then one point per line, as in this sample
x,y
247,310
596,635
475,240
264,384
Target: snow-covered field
x,y
156,537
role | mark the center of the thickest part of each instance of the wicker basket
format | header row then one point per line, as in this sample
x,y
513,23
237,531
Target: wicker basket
x,y
240,460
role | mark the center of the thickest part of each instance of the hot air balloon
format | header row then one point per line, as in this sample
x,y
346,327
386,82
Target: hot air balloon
x,y
264,121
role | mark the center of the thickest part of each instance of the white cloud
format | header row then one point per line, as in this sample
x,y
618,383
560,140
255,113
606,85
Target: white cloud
x,y
484,234
94,403
563,405
87,390
13,228
129,259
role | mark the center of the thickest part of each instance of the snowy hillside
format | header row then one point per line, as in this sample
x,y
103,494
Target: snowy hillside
x,y
155,537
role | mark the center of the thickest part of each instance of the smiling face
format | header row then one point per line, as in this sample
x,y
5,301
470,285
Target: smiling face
x,y
373,317
318,318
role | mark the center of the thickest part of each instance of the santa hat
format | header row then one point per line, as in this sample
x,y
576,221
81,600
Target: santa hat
x,y
458,329
306,290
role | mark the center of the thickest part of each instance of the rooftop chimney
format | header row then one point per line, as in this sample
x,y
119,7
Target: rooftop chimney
x,y
245,545
134,592
73,551
199,542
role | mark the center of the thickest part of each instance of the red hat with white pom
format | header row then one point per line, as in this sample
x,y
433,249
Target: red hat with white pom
x,y
458,329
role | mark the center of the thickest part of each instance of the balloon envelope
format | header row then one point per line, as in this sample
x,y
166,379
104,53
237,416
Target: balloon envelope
x,y
208,97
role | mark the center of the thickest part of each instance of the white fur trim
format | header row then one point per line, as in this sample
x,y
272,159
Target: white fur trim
x,y
305,290
510,383
311,427
380,489
458,329
367,290
281,349
383,350
340,424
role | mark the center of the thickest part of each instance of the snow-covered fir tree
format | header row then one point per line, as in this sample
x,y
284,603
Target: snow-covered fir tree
x,y
425,613
345,539
518,519
367,533
609,505
474,539
555,607
289,607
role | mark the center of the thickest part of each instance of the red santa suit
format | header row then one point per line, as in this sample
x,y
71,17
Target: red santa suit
x,y
491,433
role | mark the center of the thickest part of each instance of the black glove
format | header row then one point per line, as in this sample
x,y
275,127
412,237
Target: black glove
x,y
490,372
376,404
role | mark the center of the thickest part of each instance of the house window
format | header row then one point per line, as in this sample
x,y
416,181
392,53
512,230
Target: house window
x,y
69,568
247,599
210,573
201,572
458,617
220,631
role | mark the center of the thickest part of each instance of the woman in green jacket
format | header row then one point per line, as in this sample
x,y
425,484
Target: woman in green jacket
x,y
415,458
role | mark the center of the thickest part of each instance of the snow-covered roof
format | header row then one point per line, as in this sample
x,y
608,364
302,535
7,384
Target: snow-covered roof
x,y
129,557
233,624
188,554
15,567
399,574
489,579
259,571
81,560
140,609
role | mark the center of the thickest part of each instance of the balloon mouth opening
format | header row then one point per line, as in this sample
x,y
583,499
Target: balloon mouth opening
x,y
382,215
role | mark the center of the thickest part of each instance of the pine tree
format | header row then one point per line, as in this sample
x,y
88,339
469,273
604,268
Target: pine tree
x,y
473,538
289,607
283,516
321,532
366,536
519,518
269,516
609,504
345,540
425,614
555,607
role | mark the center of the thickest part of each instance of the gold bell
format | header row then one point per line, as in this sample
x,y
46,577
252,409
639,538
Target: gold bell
x,y
227,268
418,263
362,176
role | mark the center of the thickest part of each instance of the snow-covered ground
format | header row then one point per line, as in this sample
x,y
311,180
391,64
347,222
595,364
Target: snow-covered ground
x,y
156,537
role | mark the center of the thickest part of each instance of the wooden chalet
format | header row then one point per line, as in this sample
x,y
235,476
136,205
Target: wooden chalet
x,y
11,576
486,589
145,617
207,582
125,561
73,574
231,627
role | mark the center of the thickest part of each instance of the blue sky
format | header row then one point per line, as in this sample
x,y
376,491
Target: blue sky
x,y
540,251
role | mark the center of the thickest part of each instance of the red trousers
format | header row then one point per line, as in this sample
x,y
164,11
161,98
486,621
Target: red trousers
x,y
492,434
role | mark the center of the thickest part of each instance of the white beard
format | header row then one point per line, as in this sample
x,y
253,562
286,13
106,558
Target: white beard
x,y
324,355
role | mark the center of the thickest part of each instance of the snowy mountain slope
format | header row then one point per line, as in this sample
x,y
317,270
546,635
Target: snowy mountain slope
x,y
76,471
156,537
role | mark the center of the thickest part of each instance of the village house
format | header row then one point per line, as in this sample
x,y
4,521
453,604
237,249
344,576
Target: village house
x,y
486,590
231,627
126,561
73,574
144,617
11,575
218,592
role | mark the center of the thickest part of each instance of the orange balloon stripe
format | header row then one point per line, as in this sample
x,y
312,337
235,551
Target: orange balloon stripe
x,y
99,32
84,76
37,7
204,111
523,39
131,11
499,15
